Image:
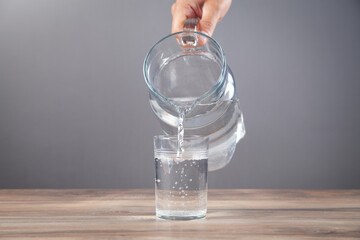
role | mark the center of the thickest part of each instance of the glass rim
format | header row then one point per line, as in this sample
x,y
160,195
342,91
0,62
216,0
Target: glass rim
x,y
218,83
195,155
175,137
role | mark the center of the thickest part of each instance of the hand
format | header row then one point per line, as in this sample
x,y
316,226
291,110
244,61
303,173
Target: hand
x,y
210,12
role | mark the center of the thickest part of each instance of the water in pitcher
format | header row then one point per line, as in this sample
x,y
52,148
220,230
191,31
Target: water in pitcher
x,y
180,186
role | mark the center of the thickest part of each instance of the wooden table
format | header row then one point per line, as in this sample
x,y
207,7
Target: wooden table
x,y
130,214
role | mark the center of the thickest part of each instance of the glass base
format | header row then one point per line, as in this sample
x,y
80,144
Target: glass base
x,y
180,215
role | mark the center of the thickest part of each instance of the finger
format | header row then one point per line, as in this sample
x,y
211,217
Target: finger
x,y
209,19
180,13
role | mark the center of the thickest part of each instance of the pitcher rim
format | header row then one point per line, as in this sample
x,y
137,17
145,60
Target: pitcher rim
x,y
206,94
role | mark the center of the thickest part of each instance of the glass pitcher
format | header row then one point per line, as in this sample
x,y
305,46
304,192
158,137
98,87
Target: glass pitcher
x,y
190,83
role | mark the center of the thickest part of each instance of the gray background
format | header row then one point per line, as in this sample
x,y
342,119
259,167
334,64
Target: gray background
x,y
74,107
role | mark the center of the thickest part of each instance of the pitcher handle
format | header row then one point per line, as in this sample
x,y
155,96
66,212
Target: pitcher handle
x,y
191,24
188,38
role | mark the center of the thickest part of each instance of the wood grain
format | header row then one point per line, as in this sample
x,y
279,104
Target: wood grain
x,y
130,214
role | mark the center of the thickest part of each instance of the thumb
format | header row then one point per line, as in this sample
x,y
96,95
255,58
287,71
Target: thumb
x,y
209,19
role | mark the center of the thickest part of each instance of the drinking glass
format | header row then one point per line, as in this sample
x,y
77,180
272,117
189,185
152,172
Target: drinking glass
x,y
181,177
